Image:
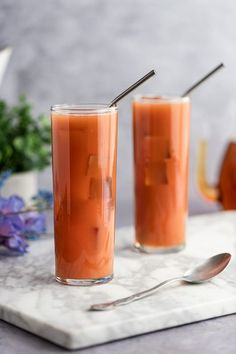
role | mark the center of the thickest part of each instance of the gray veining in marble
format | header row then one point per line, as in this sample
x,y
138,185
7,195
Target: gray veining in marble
x,y
31,299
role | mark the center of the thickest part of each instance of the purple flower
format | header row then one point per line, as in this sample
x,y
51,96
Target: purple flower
x,y
11,233
11,225
16,224
11,205
34,224
15,243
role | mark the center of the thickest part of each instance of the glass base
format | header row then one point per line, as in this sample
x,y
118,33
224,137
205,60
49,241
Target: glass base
x,y
84,282
158,250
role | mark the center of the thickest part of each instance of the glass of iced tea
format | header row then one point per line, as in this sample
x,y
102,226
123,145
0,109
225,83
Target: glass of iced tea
x,y
161,154
84,145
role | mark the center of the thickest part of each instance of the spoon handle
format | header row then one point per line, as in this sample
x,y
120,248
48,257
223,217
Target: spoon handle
x,y
126,300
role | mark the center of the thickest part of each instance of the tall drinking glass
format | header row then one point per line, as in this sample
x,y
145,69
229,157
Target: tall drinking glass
x,y
84,141
161,151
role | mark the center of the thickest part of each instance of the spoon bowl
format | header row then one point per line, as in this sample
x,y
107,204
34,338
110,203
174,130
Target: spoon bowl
x,y
207,269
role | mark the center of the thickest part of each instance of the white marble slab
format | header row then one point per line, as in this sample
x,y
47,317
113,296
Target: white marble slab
x,y
32,300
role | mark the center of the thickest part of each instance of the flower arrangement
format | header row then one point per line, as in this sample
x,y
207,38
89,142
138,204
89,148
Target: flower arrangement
x,y
24,146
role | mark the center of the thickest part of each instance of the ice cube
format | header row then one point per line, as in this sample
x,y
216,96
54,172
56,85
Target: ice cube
x,y
173,170
92,166
95,188
95,165
99,188
155,173
100,238
108,188
156,148
109,210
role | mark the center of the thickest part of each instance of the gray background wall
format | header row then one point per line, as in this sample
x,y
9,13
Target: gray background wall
x,y
89,50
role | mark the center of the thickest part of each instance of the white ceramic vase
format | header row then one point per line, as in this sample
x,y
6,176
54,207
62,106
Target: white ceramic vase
x,y
4,59
24,184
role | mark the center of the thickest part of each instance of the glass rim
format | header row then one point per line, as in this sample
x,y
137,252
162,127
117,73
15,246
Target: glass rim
x,y
85,108
150,98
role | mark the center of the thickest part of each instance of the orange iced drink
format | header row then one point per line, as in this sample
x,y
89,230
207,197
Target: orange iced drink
x,y
161,151
84,141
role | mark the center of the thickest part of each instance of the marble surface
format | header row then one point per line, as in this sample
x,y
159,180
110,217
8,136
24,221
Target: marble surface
x,y
32,300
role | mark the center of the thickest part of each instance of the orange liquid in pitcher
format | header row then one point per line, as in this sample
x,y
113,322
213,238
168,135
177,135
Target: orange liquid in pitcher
x,y
84,182
227,182
161,149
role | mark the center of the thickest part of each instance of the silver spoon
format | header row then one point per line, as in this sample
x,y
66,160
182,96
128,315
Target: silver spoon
x,y
199,274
